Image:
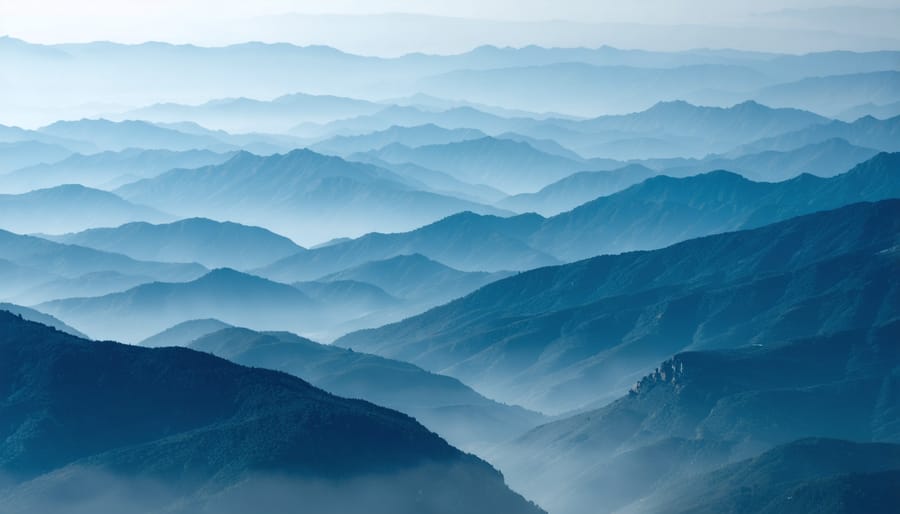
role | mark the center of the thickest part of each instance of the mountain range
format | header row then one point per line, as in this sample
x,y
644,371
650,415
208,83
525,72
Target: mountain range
x,y
106,170
19,154
231,437
421,135
28,262
225,294
650,450
500,247
211,243
510,166
69,208
285,193
251,115
558,338
443,404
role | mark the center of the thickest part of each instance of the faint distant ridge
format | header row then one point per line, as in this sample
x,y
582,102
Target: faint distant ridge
x,y
302,194
211,243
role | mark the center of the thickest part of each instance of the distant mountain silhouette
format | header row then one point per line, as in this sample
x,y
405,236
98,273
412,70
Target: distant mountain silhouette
x,y
250,115
35,262
97,283
434,181
228,437
558,338
304,195
655,213
678,128
824,159
466,242
416,277
70,208
665,210
511,166
19,154
421,135
211,243
700,410
576,189
881,112
834,94
576,87
348,301
107,170
224,294
184,333
409,116
116,136
866,132
443,404
12,134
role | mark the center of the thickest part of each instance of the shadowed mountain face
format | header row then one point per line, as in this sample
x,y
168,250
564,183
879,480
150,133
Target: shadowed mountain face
x,y
69,208
560,337
700,410
40,317
106,170
443,404
287,192
207,242
230,437
810,475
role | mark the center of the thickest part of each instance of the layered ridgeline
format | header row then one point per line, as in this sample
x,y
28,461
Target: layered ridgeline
x,y
224,294
304,195
663,210
410,137
105,170
211,243
824,159
558,338
366,296
464,241
443,404
70,208
666,129
577,80
645,452
510,166
32,266
19,154
655,213
867,132
82,423
249,115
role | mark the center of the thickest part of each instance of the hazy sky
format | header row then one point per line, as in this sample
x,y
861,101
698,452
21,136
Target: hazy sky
x,y
215,22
